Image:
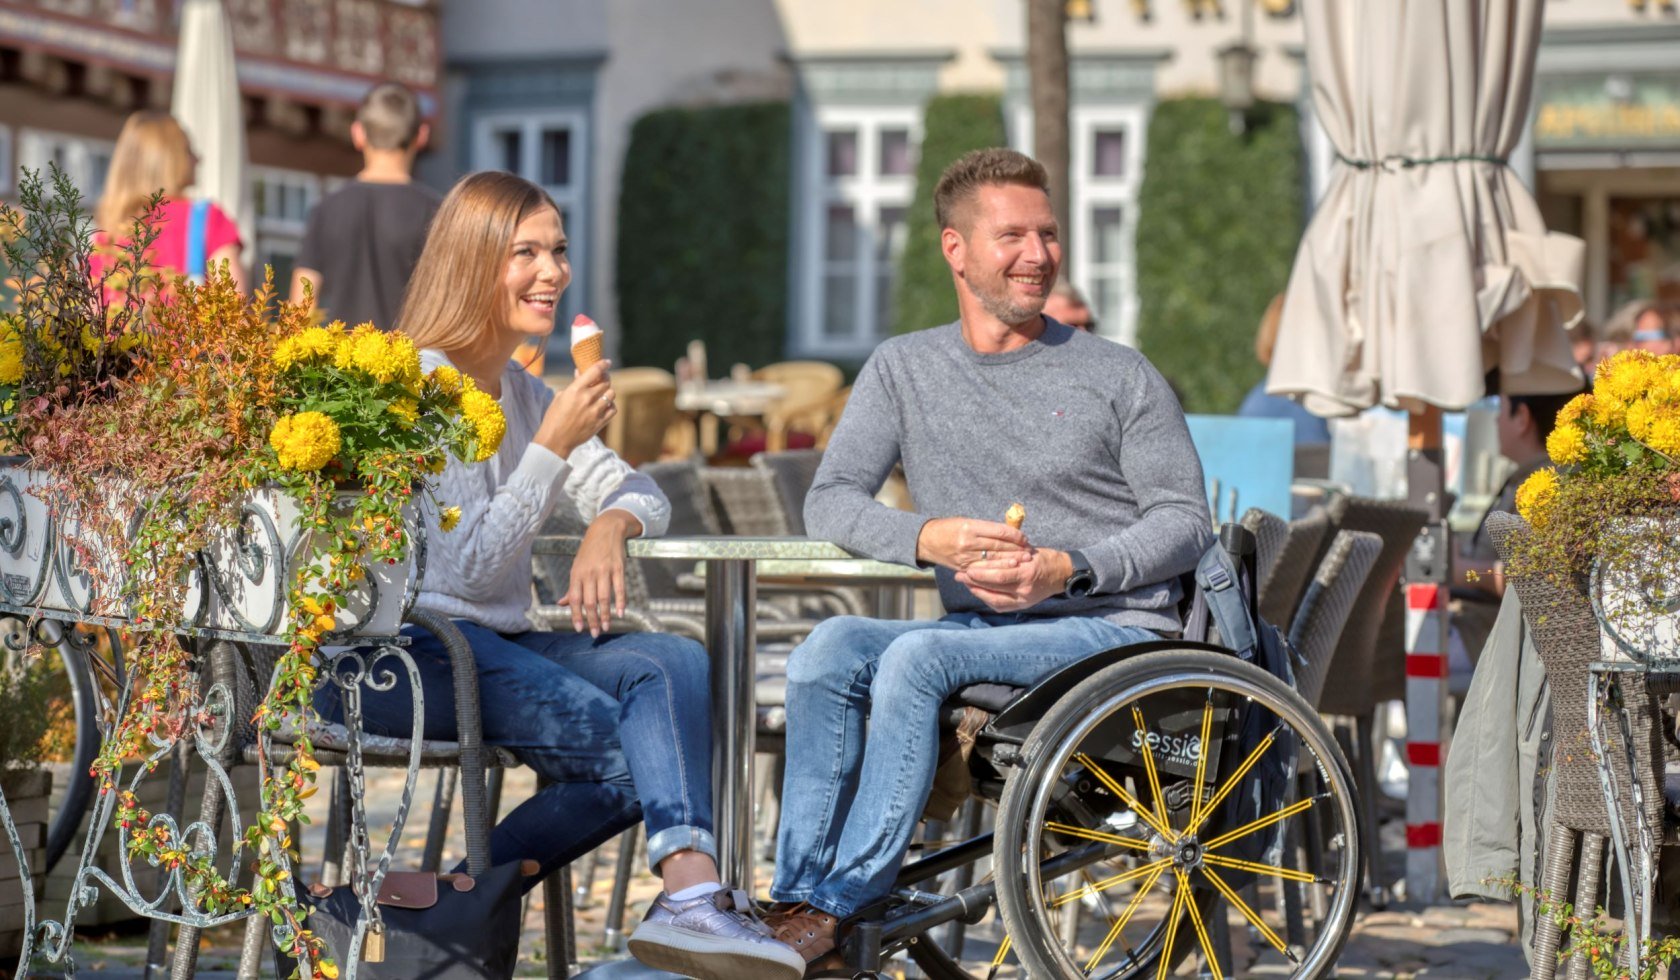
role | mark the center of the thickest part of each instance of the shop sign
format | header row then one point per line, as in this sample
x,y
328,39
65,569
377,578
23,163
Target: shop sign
x,y
1617,111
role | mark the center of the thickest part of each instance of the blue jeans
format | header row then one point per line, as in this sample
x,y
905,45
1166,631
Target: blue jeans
x,y
619,724
852,797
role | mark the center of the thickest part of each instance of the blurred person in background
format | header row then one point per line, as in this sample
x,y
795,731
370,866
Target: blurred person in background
x,y
1651,330
1310,430
363,239
1583,341
154,156
1067,304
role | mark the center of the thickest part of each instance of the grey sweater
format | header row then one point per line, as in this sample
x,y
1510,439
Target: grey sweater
x,y
1083,432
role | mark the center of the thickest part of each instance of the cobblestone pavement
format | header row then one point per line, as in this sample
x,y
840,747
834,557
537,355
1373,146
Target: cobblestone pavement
x,y
1472,941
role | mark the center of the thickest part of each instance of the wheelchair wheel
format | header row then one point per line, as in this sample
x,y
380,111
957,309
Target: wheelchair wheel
x,y
1154,802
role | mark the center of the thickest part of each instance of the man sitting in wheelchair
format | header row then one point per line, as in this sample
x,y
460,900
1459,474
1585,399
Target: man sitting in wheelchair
x,y
1003,405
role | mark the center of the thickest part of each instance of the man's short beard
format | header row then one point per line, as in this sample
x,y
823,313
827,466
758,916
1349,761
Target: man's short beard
x,y
1005,310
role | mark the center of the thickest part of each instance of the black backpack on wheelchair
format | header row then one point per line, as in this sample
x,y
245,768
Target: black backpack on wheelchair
x,y
1150,799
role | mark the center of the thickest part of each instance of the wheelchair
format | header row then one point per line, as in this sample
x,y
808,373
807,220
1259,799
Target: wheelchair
x,y
1131,836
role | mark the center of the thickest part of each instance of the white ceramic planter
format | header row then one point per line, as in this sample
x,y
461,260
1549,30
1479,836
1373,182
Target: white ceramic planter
x,y
241,582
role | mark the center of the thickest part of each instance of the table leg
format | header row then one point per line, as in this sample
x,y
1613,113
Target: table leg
x,y
731,595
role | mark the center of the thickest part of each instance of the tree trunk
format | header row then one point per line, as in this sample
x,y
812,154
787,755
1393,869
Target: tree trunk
x,y
1047,78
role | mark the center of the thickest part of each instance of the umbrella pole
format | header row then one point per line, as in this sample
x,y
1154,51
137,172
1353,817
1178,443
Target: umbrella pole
x,y
1427,570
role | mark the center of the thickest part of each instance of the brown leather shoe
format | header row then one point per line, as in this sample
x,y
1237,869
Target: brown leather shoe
x,y
806,928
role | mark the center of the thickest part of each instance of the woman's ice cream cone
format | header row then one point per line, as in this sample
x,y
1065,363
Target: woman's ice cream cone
x,y
586,342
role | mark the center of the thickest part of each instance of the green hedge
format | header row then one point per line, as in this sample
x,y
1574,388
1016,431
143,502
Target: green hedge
x,y
952,125
703,235
1219,216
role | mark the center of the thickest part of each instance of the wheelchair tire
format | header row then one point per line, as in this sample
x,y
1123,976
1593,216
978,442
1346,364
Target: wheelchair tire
x,y
1069,832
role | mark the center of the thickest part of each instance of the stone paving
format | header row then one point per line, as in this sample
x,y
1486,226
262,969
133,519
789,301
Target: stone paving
x,y
1471,941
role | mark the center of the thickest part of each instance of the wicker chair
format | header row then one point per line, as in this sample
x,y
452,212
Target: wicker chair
x,y
792,471
1329,601
809,388
1565,633
647,407
1287,553
1371,648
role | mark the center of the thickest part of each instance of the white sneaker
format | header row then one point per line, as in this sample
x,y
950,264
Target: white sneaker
x,y
714,937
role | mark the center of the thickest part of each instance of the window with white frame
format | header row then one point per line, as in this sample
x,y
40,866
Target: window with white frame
x,y
546,148
83,159
859,178
282,200
1105,160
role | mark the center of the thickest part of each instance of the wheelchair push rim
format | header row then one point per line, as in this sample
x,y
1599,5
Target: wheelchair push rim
x,y
1171,859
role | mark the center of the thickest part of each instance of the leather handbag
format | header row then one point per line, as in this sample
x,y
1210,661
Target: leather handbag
x,y
438,926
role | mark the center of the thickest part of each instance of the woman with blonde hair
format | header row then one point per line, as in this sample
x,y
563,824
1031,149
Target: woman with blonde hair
x,y
154,156
619,724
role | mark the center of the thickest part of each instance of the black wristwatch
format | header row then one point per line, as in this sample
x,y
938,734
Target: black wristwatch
x,y
1082,581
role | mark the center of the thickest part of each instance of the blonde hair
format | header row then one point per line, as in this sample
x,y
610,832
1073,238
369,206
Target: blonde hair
x,y
452,301
152,154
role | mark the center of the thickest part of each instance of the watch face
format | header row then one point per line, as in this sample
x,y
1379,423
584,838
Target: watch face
x,y
1080,583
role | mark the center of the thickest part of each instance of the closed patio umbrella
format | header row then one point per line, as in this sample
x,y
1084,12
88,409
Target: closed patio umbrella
x,y
206,103
1426,264
1427,261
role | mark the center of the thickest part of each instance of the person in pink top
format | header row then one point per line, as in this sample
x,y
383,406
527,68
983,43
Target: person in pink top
x,y
154,155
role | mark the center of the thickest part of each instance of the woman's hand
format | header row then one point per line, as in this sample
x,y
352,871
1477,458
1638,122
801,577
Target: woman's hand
x,y
580,411
596,591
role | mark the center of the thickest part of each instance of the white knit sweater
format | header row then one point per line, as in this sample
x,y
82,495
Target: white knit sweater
x,y
481,570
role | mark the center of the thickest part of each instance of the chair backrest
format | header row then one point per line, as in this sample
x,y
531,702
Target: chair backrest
x,y
1287,552
1372,645
647,405
1329,600
804,383
747,501
793,472
1560,622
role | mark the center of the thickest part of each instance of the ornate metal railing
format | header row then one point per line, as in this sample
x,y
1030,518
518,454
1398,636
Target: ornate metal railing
x,y
235,606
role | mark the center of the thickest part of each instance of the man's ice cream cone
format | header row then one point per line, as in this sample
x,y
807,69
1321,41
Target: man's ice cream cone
x,y
1015,516
586,342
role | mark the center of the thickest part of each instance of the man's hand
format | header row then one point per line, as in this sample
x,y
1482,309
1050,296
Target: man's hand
x,y
596,590
958,542
1017,582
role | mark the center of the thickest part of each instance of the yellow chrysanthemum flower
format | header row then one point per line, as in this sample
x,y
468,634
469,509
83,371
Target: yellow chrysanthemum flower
x,y
1664,436
308,346
1607,410
1536,495
1641,415
403,359
1574,409
1627,376
1566,445
448,518
11,357
487,420
407,411
383,357
446,379
305,441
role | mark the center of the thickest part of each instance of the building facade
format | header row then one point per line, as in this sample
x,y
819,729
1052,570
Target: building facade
x,y
72,70
555,102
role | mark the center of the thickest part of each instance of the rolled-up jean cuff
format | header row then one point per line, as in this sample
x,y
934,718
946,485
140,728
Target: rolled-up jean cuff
x,y
673,839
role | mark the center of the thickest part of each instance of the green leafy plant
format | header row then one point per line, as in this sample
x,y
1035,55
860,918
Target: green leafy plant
x,y
703,235
25,713
1219,216
1594,938
951,126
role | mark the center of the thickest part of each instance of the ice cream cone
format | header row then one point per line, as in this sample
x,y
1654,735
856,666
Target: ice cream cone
x,y
1015,516
586,342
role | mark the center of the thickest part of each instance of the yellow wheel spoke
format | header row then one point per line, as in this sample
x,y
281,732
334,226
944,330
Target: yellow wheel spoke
x,y
1230,784
1114,787
1003,951
1180,896
1237,864
1119,925
1109,882
1262,823
1097,835
1149,764
1247,913
1201,761
1201,931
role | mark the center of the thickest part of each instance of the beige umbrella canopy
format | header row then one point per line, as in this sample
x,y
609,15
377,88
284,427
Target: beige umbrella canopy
x,y
1427,262
206,104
